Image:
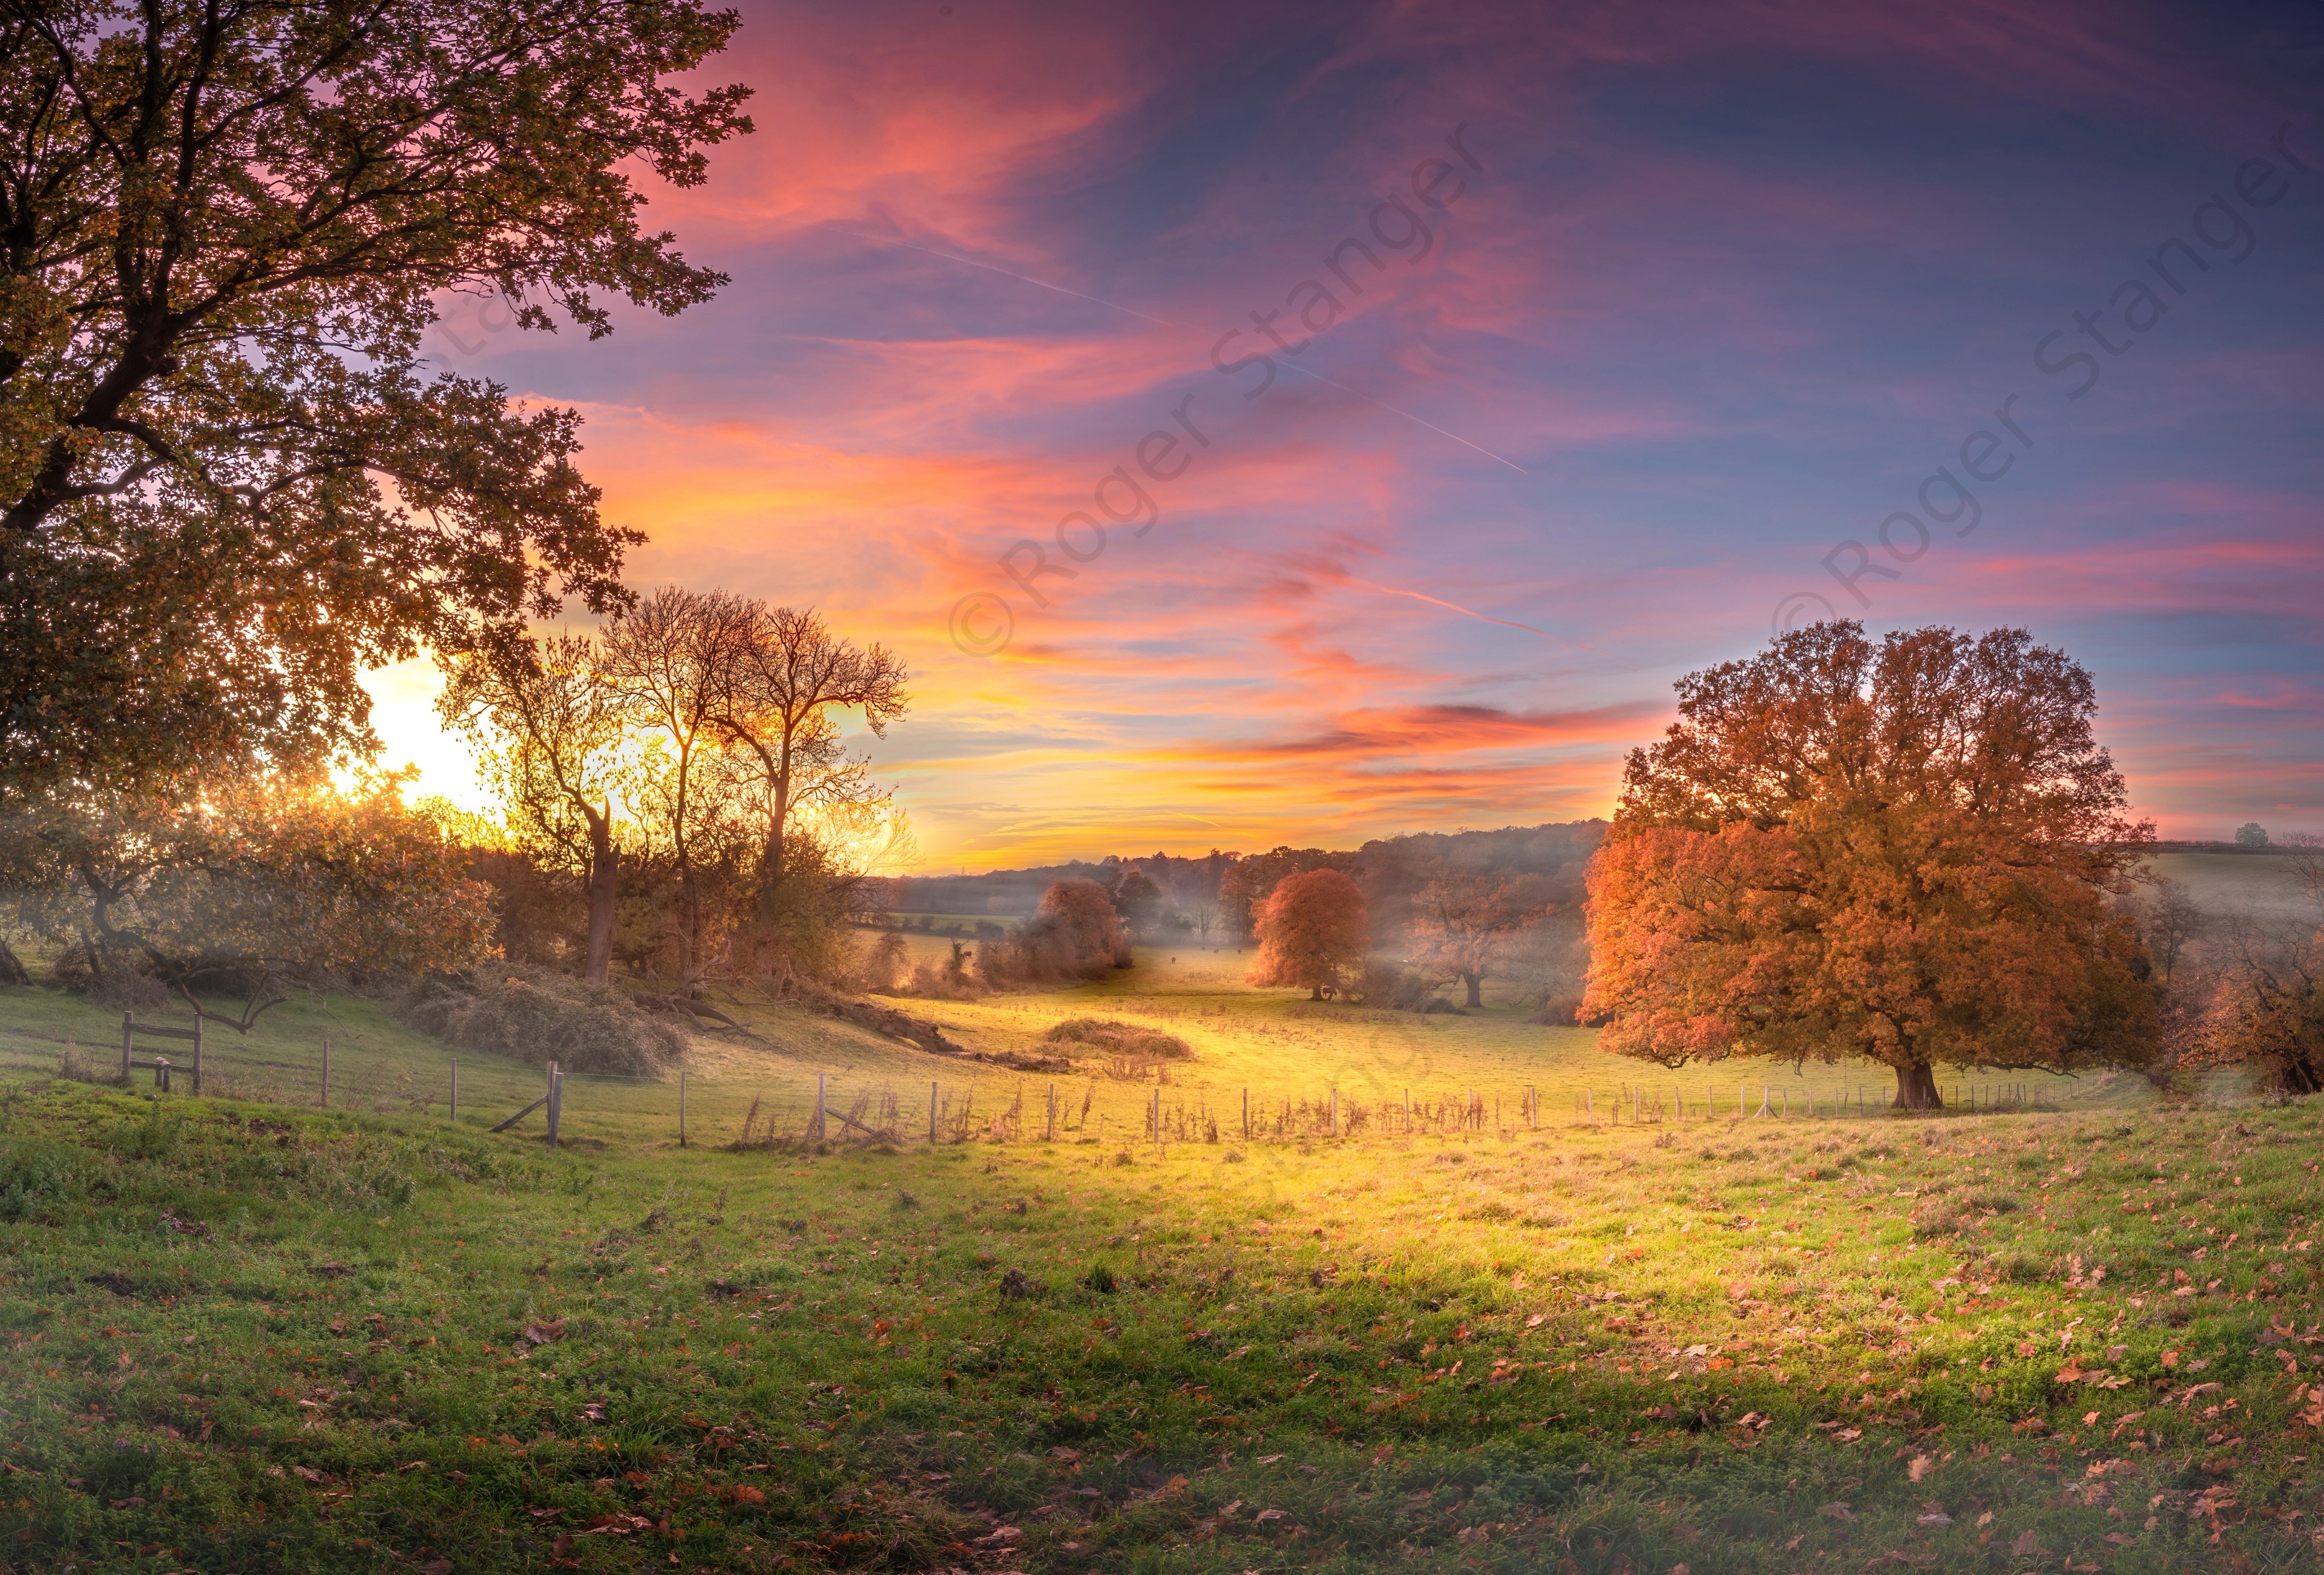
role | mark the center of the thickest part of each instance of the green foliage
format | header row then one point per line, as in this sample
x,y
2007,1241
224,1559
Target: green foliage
x,y
220,513
156,1136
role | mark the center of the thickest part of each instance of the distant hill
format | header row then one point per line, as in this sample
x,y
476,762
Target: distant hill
x,y
1390,869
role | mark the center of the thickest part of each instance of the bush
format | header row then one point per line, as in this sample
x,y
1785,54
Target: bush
x,y
539,1017
1105,1036
76,1065
1562,1010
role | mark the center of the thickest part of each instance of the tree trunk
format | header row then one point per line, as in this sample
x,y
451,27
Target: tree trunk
x,y
604,891
1472,981
12,968
1315,992
1916,1088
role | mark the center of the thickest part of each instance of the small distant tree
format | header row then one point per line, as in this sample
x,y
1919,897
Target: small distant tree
x,y
1463,921
1312,934
2171,919
2250,835
2267,1012
1235,901
1138,899
1079,917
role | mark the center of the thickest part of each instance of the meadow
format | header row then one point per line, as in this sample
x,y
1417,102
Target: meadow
x,y
248,1333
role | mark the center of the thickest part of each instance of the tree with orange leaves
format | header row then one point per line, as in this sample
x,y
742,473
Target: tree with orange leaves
x,y
1311,933
1904,851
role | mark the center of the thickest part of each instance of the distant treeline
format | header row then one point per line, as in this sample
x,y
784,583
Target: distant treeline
x,y
1213,894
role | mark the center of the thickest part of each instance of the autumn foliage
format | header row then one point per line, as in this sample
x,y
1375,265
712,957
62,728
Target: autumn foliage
x,y
1311,933
1903,851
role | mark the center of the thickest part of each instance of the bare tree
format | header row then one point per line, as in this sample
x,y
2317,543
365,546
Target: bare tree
x,y
548,736
2171,919
1462,923
790,673
671,661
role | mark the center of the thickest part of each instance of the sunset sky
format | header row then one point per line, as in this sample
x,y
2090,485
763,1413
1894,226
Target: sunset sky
x,y
1712,290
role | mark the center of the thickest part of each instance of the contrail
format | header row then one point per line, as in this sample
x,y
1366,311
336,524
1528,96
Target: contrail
x,y
1468,611
1408,416
1044,284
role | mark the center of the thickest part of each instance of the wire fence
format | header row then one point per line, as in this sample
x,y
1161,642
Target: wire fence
x,y
743,1111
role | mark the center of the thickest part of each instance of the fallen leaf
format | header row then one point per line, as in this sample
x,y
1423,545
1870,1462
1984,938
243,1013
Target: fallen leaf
x,y
2028,1545
1921,1467
1837,1511
1265,1515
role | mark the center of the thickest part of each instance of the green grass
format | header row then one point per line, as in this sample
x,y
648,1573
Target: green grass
x,y
247,1336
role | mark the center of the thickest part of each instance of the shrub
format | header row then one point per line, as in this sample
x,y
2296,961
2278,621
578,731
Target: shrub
x,y
539,1017
76,1064
1387,984
1561,1010
1106,1037
885,962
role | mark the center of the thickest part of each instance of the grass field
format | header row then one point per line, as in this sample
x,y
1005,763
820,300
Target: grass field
x,y
249,1334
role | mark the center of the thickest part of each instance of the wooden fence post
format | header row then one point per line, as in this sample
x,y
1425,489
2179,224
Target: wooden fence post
x,y
556,1101
455,1091
199,1021
1157,1118
323,1100
128,1026
681,1107
1246,1115
819,1106
1335,1110
1050,1135
932,1112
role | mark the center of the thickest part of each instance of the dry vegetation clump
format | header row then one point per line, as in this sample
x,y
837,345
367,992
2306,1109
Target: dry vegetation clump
x,y
539,1017
1106,1037
75,1065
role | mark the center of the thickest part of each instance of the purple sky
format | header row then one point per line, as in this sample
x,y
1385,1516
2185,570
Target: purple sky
x,y
1714,289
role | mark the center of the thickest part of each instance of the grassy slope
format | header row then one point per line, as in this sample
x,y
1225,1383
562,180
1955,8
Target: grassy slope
x,y
1719,1343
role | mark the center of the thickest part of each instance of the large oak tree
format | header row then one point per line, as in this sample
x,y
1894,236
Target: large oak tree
x,y
227,480
1903,850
